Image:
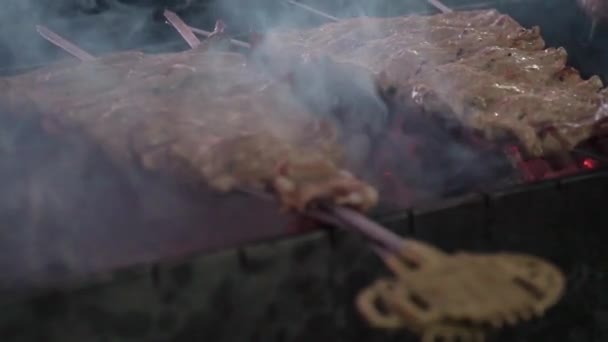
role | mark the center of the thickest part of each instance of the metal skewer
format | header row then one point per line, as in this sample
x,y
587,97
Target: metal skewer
x,y
313,10
383,240
435,3
182,28
64,44
187,28
440,6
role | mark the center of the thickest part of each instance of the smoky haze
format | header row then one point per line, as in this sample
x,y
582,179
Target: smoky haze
x,y
78,240
98,26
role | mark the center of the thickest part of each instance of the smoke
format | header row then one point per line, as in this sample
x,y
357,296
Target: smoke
x,y
67,211
51,187
262,15
329,89
44,208
333,84
97,26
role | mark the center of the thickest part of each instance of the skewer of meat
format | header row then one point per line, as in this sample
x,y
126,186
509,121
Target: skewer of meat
x,y
289,175
556,144
187,32
384,240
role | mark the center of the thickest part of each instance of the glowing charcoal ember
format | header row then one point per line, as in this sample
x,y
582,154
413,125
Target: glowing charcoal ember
x,y
590,163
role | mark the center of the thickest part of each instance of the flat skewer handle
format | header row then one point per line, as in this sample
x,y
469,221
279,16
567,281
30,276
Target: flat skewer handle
x,y
182,28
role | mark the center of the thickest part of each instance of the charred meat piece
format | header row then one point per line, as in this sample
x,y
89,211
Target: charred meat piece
x,y
480,70
199,117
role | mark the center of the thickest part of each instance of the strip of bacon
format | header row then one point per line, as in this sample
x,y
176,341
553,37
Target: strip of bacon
x,y
64,44
184,30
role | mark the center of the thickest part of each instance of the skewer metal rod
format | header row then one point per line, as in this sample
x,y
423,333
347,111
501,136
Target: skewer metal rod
x,y
234,42
64,44
198,31
385,241
440,6
375,232
313,10
182,28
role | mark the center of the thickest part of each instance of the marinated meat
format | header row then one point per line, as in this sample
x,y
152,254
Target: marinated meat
x,y
479,69
198,117
504,104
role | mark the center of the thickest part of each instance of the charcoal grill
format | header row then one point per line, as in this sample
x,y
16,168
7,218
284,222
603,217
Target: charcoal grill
x,y
219,290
